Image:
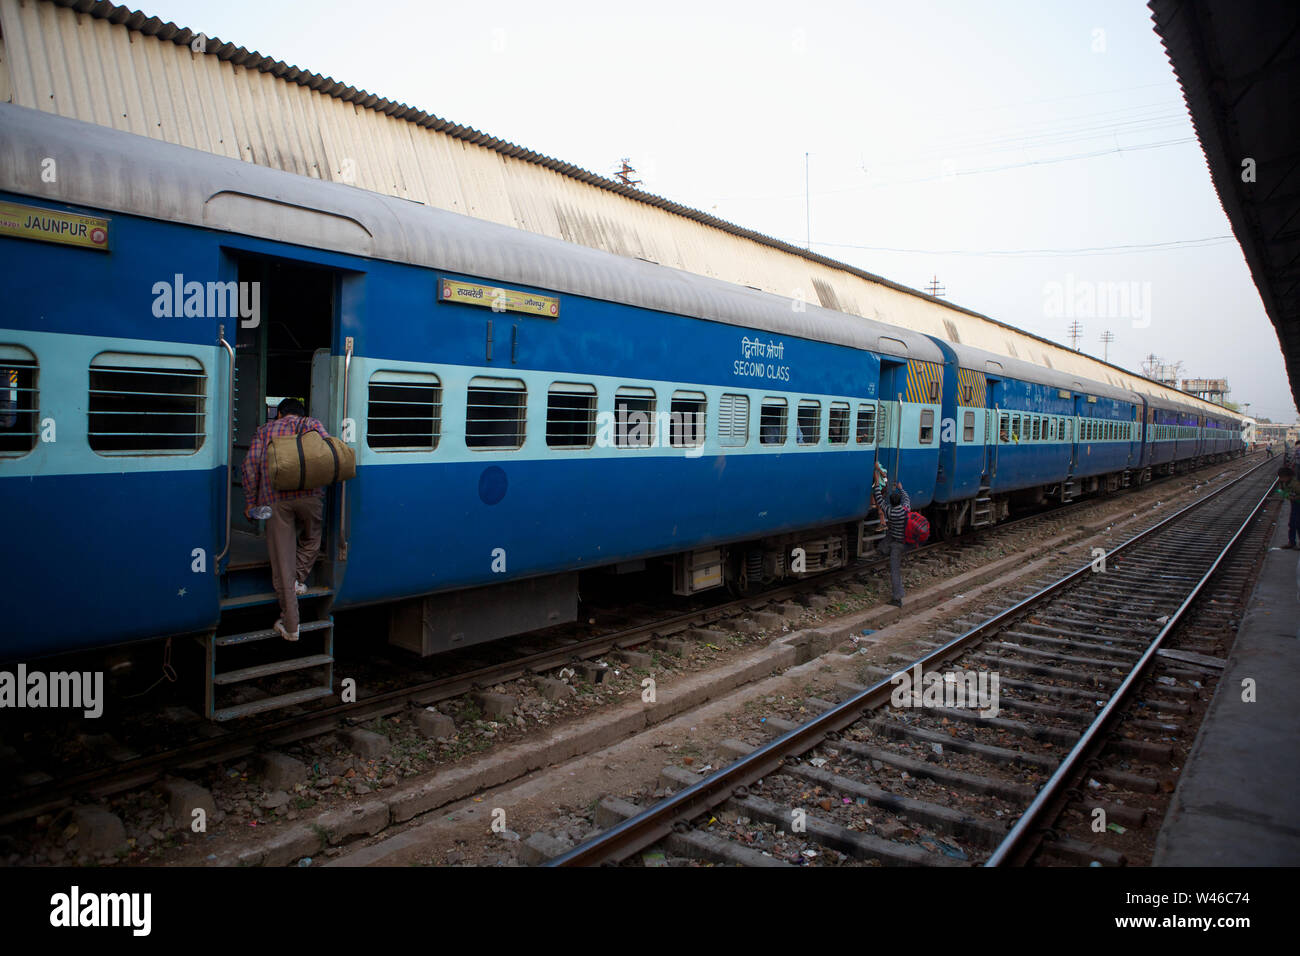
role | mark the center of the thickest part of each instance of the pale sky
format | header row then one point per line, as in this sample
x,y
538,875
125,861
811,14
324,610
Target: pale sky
x,y
1009,148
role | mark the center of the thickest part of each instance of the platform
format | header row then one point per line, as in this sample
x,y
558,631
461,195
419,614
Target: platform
x,y
1238,799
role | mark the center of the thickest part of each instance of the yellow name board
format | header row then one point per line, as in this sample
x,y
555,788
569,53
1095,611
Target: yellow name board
x,y
31,222
497,299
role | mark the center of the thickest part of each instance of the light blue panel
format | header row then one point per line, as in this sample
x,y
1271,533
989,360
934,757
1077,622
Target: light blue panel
x,y
63,381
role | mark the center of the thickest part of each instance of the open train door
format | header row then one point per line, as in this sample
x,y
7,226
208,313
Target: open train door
x,y
889,435
983,512
277,353
893,378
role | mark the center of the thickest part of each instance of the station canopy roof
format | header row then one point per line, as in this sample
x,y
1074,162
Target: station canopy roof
x,y
1238,62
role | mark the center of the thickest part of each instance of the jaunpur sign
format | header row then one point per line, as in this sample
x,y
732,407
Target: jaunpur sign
x,y
46,225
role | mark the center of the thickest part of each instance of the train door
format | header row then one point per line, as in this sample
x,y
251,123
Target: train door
x,y
992,429
274,360
893,387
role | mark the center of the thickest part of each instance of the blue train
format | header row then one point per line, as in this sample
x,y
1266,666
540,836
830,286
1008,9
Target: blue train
x,y
523,410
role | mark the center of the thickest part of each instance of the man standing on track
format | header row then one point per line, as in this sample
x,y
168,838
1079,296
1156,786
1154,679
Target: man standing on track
x,y
895,520
293,518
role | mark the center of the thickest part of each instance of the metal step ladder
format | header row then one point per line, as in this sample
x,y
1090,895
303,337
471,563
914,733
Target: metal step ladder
x,y
869,532
981,513
1069,490
317,665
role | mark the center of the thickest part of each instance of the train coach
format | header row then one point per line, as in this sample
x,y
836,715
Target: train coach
x,y
523,411
1019,434
1025,434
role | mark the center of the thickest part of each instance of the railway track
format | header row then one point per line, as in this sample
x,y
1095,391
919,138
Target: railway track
x,y
131,769
1066,691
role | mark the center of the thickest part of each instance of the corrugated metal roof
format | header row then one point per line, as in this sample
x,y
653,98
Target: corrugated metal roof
x,y
1236,63
76,58
103,167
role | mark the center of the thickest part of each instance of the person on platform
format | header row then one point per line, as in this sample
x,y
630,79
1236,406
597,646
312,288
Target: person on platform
x,y
1289,487
293,518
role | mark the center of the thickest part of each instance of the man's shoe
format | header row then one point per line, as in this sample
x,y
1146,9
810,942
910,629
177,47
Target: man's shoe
x,y
287,635
1288,547
896,602
299,587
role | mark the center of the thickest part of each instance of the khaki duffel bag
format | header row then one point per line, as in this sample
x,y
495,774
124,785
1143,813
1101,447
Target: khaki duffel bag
x,y
309,460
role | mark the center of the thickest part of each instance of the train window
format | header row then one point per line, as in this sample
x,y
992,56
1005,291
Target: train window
x,y
1015,428
927,426
1037,428
967,392
405,411
494,412
571,415
866,423
1004,429
883,425
733,420
837,427
146,404
968,426
809,427
18,401
634,417
686,419
1069,430
771,421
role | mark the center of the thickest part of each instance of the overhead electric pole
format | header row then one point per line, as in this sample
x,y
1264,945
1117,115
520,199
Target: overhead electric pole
x,y
625,173
1076,333
935,288
1106,339
807,205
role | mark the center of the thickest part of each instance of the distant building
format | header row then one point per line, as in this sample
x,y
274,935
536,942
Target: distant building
x,y
1277,433
1210,389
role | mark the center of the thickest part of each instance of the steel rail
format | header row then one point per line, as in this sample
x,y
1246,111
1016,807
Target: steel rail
x,y
1021,840
656,822
37,799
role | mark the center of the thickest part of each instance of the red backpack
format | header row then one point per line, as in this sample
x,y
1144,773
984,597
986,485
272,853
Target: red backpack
x,y
917,530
